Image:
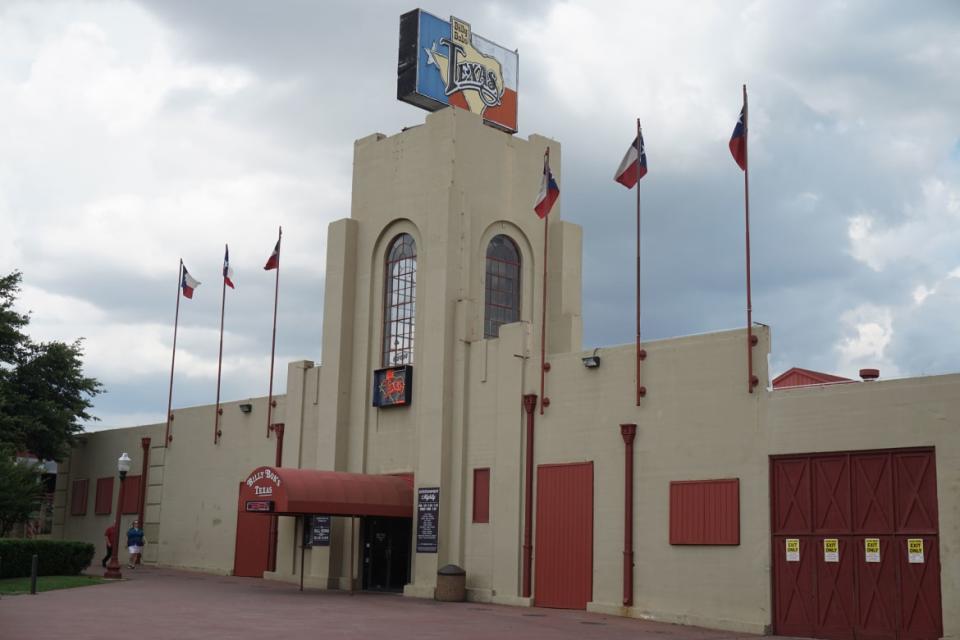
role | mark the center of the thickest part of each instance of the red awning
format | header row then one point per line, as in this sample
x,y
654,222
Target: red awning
x,y
335,493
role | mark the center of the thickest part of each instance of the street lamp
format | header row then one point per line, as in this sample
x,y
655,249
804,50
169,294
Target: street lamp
x,y
113,567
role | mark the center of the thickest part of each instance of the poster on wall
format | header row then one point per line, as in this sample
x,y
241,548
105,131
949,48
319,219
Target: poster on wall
x,y
793,549
443,63
871,549
831,550
915,550
428,516
316,531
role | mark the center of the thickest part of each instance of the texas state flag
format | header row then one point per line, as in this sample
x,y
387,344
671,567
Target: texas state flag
x,y
273,262
227,269
738,141
634,164
549,191
188,283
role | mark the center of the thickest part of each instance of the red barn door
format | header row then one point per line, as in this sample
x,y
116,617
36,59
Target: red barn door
x,y
564,540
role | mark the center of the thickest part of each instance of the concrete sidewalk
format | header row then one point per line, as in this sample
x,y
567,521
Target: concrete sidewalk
x,y
166,603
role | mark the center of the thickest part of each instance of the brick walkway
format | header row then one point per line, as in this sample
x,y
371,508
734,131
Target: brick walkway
x,y
164,603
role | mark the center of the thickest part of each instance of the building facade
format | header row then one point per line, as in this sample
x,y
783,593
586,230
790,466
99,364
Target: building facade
x,y
828,510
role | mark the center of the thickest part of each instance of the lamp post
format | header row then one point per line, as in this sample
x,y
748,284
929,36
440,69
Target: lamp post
x,y
113,567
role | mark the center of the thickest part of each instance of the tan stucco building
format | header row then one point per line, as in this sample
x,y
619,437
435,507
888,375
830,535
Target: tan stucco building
x,y
753,512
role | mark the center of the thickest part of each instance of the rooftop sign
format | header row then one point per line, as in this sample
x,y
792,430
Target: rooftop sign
x,y
445,64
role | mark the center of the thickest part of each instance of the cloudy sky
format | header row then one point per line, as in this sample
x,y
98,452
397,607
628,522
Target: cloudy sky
x,y
137,133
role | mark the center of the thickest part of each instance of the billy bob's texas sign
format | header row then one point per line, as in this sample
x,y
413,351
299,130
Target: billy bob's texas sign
x,y
444,63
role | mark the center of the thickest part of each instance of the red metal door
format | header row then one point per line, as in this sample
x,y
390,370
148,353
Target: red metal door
x,y
794,587
831,494
888,497
564,539
836,605
873,493
252,551
792,501
876,588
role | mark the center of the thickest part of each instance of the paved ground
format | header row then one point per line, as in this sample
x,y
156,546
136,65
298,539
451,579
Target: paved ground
x,y
164,603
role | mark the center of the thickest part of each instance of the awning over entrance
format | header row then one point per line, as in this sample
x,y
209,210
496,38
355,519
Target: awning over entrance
x,y
337,493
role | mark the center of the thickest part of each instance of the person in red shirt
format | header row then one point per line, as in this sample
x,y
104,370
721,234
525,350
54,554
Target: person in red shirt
x,y
110,537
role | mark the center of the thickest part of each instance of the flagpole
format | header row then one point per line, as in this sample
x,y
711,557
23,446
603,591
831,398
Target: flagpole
x,y
223,305
641,354
752,380
543,315
273,343
168,437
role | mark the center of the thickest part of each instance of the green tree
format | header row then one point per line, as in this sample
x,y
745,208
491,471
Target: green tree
x,y
44,395
20,490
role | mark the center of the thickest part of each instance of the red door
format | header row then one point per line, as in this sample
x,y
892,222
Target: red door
x,y
794,589
872,504
836,606
920,613
876,587
252,552
564,541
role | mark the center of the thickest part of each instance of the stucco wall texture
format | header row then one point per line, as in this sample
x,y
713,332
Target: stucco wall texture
x,y
453,184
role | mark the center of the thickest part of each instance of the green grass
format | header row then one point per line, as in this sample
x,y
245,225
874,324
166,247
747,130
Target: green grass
x,y
13,586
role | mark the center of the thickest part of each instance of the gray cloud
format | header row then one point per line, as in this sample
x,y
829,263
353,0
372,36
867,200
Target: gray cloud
x,y
142,133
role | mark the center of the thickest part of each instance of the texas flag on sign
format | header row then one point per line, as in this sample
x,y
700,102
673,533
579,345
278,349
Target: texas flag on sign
x,y
634,164
188,283
227,269
549,191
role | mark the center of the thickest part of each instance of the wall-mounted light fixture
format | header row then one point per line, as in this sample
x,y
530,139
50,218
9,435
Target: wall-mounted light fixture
x,y
591,361
246,407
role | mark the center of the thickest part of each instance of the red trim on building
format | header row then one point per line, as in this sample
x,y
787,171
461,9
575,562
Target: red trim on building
x,y
481,496
104,501
78,497
131,495
705,512
797,377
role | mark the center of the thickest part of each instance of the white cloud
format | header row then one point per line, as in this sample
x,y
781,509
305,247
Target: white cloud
x,y
869,332
925,232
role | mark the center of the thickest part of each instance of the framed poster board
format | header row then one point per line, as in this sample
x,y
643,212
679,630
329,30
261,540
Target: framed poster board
x,y
428,519
316,531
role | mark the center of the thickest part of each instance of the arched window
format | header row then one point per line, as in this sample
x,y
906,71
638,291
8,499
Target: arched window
x,y
503,285
399,301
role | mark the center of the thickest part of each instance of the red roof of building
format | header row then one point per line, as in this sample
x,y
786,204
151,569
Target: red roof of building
x,y
797,377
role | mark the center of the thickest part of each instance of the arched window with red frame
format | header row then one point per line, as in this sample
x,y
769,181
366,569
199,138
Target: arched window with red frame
x,y
399,301
502,285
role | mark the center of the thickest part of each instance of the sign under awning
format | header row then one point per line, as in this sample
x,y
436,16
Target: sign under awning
x,y
336,493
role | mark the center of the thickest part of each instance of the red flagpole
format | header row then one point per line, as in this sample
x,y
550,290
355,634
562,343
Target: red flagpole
x,y
223,305
752,380
641,354
168,437
543,315
273,343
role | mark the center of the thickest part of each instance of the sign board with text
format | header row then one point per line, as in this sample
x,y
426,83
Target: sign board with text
x,y
428,519
444,63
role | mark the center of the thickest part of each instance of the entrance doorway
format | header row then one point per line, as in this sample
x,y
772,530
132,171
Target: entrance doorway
x,y
386,553
563,578
856,545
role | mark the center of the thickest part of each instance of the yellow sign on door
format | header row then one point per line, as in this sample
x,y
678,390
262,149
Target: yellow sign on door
x,y
793,549
831,550
915,550
871,549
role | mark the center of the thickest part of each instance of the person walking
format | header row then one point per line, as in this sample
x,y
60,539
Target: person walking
x,y
109,537
135,542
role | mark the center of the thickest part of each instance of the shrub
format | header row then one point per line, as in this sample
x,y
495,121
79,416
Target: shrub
x,y
57,557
